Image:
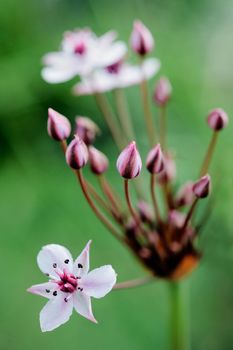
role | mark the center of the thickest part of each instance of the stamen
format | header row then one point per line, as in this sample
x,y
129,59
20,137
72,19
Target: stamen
x,y
67,261
55,293
80,266
47,290
54,265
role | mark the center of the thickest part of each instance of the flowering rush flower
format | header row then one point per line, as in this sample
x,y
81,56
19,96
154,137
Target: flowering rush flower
x,y
70,285
82,52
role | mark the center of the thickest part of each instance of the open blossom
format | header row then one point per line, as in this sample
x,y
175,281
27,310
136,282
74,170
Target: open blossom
x,y
71,285
117,75
82,52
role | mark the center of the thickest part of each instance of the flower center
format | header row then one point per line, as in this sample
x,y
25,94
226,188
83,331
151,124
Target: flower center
x,y
114,68
68,283
80,48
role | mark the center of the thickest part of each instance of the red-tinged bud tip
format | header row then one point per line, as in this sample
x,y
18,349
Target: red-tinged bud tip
x,y
98,161
185,195
129,162
201,188
154,162
141,40
169,172
86,129
162,92
77,153
58,126
217,119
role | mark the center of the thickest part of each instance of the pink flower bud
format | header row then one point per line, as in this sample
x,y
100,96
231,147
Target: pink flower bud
x,y
86,129
77,153
129,162
58,126
217,119
141,39
98,161
176,218
185,195
201,188
162,92
169,172
154,162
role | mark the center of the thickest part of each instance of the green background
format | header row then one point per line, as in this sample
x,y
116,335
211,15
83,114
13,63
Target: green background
x,y
41,203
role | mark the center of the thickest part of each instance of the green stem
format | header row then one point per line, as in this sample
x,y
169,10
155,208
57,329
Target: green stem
x,y
148,114
163,126
209,154
110,120
123,114
178,320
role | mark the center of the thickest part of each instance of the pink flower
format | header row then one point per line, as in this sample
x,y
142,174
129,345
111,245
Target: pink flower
x,y
217,119
58,126
81,52
86,129
141,40
71,285
129,162
118,75
77,153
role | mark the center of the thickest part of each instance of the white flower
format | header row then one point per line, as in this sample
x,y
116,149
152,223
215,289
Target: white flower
x,y
118,75
81,52
71,285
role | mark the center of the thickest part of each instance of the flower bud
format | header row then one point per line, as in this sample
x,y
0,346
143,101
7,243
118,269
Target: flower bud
x,y
162,92
217,119
169,172
86,129
154,162
98,161
185,195
141,39
77,153
176,218
58,126
129,162
201,188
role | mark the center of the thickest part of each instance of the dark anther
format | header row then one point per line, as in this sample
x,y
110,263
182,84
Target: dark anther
x,y
66,300
80,266
47,290
78,278
55,293
55,265
81,289
66,261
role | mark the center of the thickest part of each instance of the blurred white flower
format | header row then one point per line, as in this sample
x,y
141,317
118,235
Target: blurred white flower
x,y
71,285
117,75
82,52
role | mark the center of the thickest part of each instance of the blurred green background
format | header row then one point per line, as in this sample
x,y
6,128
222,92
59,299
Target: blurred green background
x,y
41,203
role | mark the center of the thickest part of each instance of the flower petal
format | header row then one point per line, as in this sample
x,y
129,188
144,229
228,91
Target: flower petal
x,y
82,263
54,257
44,289
99,282
150,67
82,304
54,75
55,313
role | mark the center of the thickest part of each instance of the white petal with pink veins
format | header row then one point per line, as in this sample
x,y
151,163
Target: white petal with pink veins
x,y
54,257
99,281
82,304
82,263
44,289
55,313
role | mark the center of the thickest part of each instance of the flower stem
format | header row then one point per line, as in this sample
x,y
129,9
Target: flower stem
x,y
148,114
190,213
110,120
209,154
179,336
97,212
154,200
134,283
123,114
163,126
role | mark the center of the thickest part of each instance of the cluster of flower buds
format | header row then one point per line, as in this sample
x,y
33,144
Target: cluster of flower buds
x,y
159,229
